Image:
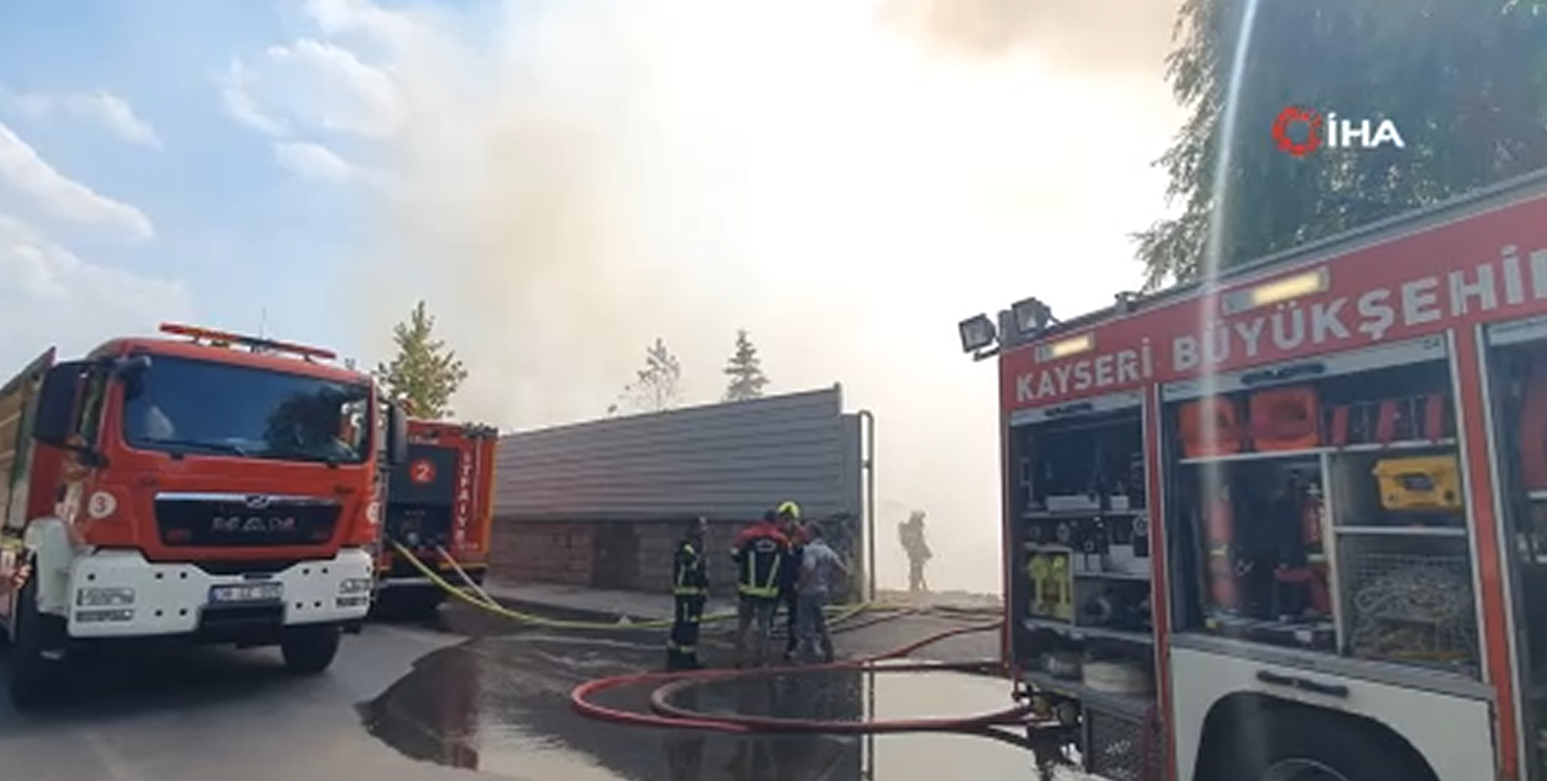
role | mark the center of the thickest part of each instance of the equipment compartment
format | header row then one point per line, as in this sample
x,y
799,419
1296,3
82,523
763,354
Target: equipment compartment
x,y
1409,599
1316,503
1083,640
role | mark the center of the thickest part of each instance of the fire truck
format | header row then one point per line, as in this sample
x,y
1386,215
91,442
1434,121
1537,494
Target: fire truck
x,y
204,485
440,501
1290,523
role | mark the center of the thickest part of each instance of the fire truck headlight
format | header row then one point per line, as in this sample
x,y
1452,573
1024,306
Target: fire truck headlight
x,y
104,596
977,333
354,585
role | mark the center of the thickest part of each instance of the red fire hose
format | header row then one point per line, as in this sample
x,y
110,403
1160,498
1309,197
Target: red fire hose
x,y
671,716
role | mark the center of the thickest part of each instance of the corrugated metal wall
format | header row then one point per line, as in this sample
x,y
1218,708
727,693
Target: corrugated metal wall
x,y
729,461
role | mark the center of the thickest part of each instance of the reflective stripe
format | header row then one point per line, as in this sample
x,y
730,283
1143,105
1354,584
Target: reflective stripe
x,y
684,568
758,591
681,649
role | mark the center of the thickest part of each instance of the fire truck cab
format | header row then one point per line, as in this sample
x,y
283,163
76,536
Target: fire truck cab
x,y
1290,523
440,503
218,488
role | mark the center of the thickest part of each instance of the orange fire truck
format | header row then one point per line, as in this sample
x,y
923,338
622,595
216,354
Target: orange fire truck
x,y
215,487
1291,523
441,498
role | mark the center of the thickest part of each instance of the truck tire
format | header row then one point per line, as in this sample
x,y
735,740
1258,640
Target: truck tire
x,y
1308,747
33,674
309,650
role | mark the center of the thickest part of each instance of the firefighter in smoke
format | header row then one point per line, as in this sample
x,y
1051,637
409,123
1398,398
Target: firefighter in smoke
x,y
690,590
911,533
761,552
788,516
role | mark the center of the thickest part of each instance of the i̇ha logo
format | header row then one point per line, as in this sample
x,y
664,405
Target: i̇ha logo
x,y
1301,131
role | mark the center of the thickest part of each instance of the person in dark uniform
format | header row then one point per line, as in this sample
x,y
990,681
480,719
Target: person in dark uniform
x,y
690,589
788,516
761,553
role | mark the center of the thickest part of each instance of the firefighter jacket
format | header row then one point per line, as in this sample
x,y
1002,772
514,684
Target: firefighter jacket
x,y
789,575
690,575
762,554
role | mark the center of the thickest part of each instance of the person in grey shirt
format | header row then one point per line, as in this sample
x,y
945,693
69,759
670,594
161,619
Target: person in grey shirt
x,y
820,566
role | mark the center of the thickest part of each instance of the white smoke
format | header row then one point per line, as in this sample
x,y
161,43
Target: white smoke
x,y
845,179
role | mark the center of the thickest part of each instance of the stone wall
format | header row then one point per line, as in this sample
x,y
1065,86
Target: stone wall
x,y
614,555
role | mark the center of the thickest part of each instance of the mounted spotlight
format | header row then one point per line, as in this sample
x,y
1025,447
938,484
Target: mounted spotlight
x,y
1031,316
977,333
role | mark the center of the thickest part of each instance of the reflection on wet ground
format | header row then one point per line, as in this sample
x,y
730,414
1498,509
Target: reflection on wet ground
x,y
500,705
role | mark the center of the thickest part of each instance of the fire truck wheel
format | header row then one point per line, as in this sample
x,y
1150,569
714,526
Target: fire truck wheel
x,y
32,673
1315,747
308,650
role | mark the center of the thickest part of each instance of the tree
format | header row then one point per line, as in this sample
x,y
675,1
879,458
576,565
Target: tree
x,y
745,370
424,375
1465,81
655,388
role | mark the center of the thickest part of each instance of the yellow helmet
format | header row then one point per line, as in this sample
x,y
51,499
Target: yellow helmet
x,y
789,510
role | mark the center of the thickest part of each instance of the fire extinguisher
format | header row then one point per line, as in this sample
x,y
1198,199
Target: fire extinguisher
x,y
1313,517
1219,530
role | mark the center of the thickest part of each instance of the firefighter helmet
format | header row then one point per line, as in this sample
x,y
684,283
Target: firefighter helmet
x,y
789,511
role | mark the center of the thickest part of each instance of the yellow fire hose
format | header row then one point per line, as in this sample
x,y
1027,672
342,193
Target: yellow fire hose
x,y
482,600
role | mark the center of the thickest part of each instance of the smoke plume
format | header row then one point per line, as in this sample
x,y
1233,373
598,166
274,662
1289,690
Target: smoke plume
x,y
573,179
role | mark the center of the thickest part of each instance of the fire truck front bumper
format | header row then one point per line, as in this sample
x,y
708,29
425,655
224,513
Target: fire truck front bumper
x,y
120,594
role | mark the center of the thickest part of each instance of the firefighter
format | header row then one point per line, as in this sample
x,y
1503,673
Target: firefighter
x,y
788,516
761,552
690,589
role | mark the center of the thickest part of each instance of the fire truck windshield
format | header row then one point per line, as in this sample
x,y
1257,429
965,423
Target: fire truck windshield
x,y
193,407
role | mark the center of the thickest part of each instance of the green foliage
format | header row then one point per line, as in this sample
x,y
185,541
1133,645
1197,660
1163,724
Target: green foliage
x,y
655,388
1465,81
745,370
424,375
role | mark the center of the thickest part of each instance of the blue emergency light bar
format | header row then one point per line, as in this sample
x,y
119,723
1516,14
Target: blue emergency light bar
x,y
253,343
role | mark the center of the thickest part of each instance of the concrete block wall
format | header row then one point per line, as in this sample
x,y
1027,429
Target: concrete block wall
x,y
542,553
627,556
614,555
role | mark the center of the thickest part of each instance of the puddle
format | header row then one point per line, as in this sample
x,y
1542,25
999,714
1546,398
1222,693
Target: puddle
x,y
500,706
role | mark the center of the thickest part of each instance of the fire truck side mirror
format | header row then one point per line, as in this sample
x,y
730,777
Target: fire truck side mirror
x,y
397,435
53,422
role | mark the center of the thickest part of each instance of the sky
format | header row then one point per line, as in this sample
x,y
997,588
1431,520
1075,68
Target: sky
x,y
563,181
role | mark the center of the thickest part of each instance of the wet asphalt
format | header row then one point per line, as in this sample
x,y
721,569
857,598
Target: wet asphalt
x,y
474,697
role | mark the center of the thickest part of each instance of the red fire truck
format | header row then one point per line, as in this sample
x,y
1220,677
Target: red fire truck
x,y
216,487
1291,523
441,498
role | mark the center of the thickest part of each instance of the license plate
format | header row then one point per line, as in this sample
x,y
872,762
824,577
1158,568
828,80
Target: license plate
x,y
246,592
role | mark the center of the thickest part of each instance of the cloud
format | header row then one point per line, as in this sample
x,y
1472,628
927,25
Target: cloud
x,y
100,107
313,83
343,17
25,170
310,160
52,297
240,105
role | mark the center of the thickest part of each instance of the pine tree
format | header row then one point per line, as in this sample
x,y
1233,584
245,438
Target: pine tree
x,y
424,375
745,370
657,387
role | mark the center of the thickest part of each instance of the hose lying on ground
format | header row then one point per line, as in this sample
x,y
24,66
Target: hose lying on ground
x,y
484,601
671,716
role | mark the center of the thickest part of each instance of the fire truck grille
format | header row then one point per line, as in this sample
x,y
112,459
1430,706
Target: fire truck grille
x,y
244,521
